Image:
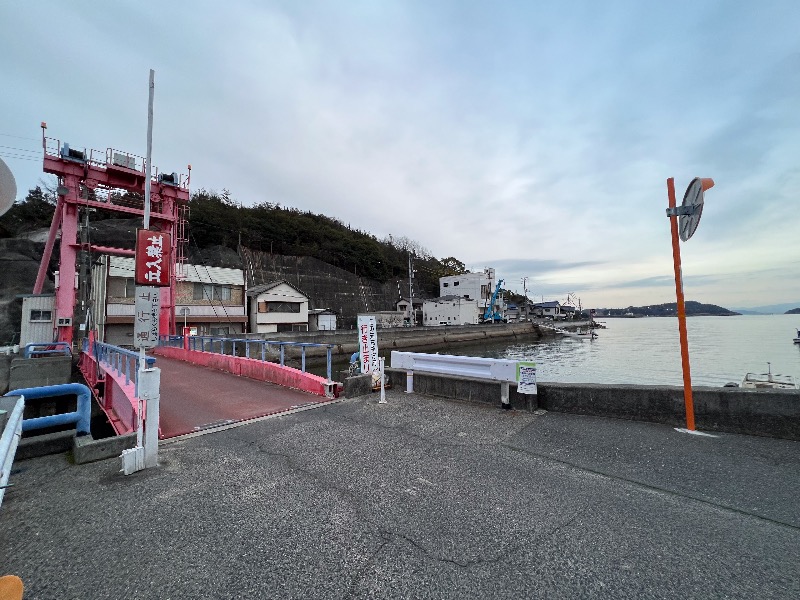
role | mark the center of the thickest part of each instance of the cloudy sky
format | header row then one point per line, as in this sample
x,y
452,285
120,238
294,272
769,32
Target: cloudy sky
x,y
533,137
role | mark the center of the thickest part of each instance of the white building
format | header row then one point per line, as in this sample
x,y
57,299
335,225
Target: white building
x,y
473,286
450,310
321,319
276,307
37,319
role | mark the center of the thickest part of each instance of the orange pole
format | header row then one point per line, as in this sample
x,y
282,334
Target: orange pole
x,y
676,258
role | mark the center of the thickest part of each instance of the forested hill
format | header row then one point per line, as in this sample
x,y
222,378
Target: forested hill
x,y
218,220
693,309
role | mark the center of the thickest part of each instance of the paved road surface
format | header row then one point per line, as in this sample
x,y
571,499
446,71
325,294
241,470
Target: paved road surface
x,y
416,498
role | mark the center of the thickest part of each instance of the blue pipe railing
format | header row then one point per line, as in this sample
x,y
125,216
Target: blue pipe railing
x,y
206,343
81,417
122,361
62,348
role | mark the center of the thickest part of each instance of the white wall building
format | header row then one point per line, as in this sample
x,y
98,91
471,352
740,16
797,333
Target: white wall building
x,y
37,319
277,307
450,310
473,286
321,319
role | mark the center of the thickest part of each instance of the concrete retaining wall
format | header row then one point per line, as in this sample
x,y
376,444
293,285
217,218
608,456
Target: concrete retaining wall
x,y
251,368
345,341
734,410
39,372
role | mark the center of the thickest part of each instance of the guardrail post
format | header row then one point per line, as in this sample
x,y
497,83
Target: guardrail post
x,y
504,395
409,382
303,359
247,349
282,354
263,351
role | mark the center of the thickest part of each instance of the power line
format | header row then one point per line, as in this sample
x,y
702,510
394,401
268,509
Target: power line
x,y
17,157
19,137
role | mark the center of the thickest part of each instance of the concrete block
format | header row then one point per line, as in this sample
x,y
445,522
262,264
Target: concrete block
x,y
360,385
86,449
38,372
42,445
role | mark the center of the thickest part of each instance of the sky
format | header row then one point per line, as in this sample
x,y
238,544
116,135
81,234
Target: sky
x,y
532,137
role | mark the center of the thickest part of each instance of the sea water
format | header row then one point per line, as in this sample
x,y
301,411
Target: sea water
x,y
646,351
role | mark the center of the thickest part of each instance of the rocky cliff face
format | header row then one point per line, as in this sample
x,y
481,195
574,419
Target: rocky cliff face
x,y
325,285
19,264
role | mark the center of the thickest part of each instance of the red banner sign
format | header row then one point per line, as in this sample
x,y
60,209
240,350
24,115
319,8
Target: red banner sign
x,y
153,257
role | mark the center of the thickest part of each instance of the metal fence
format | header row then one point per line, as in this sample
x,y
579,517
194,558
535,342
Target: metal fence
x,y
123,362
258,349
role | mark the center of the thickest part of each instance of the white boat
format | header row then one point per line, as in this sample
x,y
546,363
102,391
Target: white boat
x,y
768,380
797,337
589,334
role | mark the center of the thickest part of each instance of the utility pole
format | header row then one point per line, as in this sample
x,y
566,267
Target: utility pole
x,y
525,293
411,320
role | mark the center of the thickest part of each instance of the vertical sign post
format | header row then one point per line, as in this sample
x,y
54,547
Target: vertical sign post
x,y
689,213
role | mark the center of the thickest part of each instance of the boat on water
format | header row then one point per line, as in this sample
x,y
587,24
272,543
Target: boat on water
x,y
768,380
589,334
797,337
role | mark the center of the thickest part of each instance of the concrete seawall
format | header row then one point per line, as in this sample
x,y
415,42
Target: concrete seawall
x,y
774,413
407,338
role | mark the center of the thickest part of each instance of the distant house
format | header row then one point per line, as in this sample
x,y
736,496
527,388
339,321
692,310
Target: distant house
x,y
321,319
548,309
416,305
276,307
450,310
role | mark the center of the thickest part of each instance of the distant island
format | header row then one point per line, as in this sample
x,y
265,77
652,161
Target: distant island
x,y
693,309
794,311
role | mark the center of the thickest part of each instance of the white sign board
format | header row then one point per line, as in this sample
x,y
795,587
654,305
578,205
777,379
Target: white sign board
x,y
526,378
368,344
145,319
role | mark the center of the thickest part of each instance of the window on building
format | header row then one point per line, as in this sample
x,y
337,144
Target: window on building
x,y
210,291
121,287
41,316
220,330
445,284
280,307
455,283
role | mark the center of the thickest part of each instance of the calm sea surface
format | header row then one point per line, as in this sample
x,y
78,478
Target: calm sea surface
x,y
647,351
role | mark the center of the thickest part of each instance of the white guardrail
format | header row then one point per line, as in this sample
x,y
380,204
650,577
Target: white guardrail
x,y
10,433
487,369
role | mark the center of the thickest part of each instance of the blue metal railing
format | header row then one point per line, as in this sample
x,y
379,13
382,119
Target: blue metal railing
x,y
62,348
81,417
122,361
206,343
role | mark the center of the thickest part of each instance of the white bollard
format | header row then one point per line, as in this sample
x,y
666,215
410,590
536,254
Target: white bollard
x,y
409,382
149,390
504,395
383,386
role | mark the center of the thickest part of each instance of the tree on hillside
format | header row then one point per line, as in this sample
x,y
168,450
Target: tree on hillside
x,y
35,211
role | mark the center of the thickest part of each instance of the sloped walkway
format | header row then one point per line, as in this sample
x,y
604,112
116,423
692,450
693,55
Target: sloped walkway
x,y
194,398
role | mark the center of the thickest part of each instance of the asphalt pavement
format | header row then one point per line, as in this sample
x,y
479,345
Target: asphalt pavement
x,y
416,498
